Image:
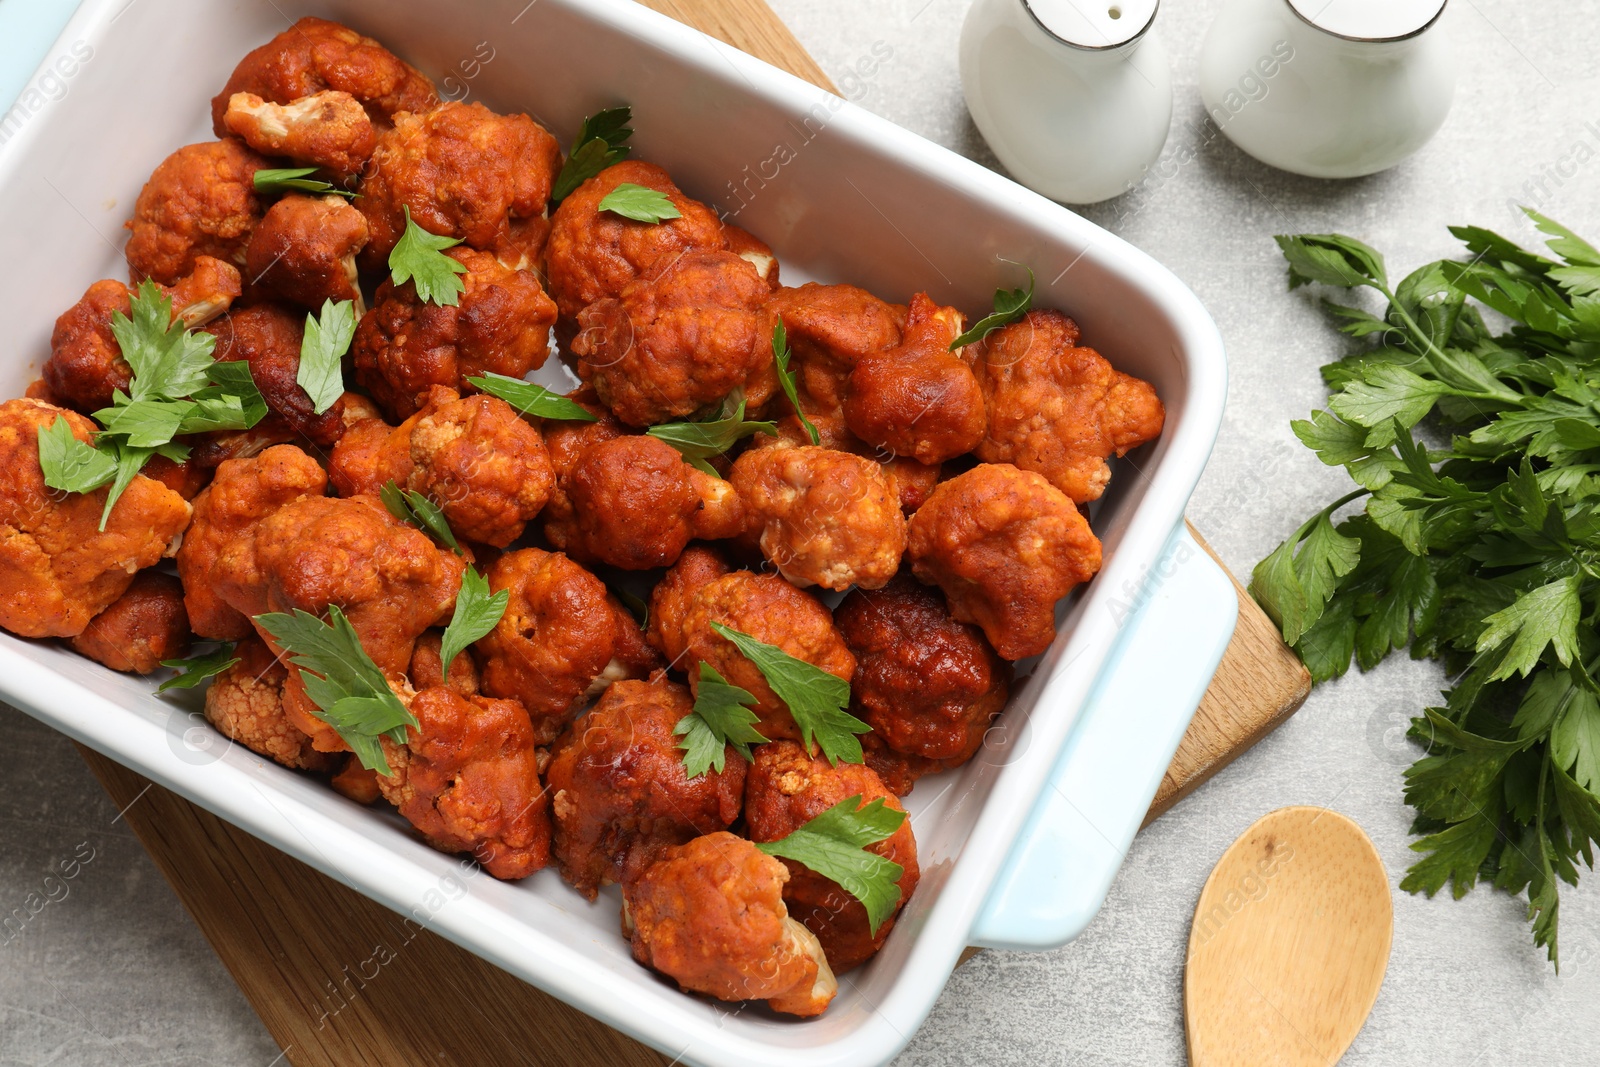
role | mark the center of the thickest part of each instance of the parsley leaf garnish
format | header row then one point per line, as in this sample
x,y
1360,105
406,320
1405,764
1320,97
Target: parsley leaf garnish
x,y
1009,306
815,698
780,359
1479,457
640,204
68,464
418,257
295,179
350,692
700,441
197,669
531,398
477,612
721,717
327,339
834,844
177,388
412,507
168,360
599,144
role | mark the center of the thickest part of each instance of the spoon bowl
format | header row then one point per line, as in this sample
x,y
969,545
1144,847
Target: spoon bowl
x,y
1289,946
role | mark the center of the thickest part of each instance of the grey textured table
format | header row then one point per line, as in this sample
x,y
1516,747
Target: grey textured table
x,y
111,972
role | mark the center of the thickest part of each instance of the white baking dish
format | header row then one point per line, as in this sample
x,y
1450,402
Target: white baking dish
x,y
1018,847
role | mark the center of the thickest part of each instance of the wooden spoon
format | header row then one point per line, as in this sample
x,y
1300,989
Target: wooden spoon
x,y
1290,941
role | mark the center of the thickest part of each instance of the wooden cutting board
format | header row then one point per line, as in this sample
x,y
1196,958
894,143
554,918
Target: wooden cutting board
x,y
339,982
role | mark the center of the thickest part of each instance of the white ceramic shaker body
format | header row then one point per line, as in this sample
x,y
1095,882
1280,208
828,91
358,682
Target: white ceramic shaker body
x,y
1355,86
1073,96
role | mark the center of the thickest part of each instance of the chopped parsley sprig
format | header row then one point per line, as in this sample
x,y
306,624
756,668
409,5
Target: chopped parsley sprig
x,y
1478,544
197,669
297,180
700,442
69,465
1009,306
530,398
176,388
721,717
418,257
780,360
835,843
410,506
327,338
350,692
815,698
477,612
601,141
639,203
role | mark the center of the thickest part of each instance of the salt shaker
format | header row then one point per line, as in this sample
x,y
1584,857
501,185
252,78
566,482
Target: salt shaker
x,y
1328,88
1074,96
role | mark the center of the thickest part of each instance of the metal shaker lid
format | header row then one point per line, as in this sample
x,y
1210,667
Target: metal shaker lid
x,y
1093,24
1369,20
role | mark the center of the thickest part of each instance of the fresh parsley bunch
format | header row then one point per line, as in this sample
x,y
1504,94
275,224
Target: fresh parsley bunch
x,y
1478,455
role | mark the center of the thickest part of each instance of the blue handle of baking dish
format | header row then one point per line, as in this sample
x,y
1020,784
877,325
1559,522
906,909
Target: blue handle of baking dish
x,y
27,30
1060,870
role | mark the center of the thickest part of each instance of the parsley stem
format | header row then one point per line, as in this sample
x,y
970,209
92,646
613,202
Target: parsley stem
x,y
1436,355
1327,512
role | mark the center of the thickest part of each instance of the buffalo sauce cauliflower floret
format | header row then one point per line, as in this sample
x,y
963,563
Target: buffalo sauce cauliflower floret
x,y
1004,545
912,479
927,684
562,638
1057,408
404,344
201,201
475,457
464,172
710,915
86,367
427,667
329,129
222,580
304,251
389,578
754,251
185,477
619,791
919,399
771,610
371,453
831,328
245,703
673,595
825,517
142,627
486,467
58,569
595,254
354,781
315,54
268,338
632,502
784,790
467,778
680,340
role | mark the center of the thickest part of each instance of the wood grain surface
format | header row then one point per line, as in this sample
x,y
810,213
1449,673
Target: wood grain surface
x,y
298,943
1289,945
1259,683
339,980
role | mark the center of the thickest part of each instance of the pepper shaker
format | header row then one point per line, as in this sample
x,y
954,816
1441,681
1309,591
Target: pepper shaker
x,y
1073,96
1328,88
